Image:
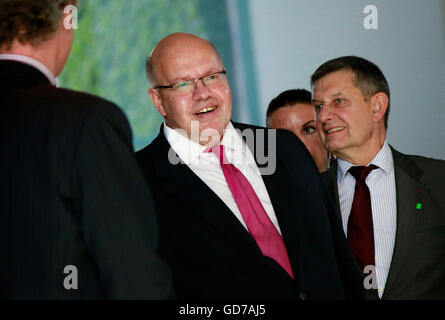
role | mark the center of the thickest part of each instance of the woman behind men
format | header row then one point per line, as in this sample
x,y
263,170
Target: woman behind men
x,y
292,110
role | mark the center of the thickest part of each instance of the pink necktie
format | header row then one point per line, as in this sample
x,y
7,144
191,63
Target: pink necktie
x,y
258,223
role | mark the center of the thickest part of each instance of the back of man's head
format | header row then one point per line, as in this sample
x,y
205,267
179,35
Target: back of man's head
x,y
287,98
368,76
29,21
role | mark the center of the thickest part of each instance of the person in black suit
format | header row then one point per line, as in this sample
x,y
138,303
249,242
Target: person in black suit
x,y
212,245
402,233
76,215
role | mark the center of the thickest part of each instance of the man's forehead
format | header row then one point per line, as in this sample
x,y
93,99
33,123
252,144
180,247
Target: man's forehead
x,y
334,84
190,64
344,75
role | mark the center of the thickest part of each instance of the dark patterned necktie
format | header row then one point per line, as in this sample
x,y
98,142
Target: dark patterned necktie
x,y
360,227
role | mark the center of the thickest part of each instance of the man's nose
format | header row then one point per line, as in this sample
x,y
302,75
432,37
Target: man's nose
x,y
325,114
201,91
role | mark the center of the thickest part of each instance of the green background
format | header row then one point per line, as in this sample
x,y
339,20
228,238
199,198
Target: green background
x,y
114,38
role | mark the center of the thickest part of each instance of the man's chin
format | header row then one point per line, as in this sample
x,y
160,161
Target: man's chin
x,y
210,137
333,147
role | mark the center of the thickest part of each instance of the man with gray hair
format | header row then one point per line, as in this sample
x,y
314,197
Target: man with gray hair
x,y
76,216
391,204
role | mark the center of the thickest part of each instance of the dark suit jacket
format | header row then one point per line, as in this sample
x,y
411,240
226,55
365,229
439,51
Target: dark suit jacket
x,y
71,193
213,256
417,268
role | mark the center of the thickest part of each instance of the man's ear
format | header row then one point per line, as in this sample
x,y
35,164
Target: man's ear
x,y
156,99
379,103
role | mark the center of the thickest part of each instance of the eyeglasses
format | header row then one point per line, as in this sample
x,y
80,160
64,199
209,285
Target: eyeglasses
x,y
190,85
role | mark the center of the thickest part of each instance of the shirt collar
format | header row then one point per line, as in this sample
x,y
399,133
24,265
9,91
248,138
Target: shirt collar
x,y
383,159
232,139
32,62
189,150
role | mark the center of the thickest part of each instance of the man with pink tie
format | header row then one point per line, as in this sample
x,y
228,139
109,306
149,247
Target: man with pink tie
x,y
241,209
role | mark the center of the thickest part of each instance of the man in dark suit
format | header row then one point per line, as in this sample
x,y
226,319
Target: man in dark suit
x,y
401,229
76,215
208,235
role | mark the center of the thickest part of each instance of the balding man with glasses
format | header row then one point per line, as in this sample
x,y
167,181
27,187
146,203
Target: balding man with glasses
x,y
241,209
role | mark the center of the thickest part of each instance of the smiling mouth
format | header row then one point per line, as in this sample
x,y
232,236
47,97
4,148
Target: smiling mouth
x,y
335,129
205,110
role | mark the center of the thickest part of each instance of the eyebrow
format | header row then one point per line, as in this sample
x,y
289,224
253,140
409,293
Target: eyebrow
x,y
314,101
308,122
184,78
179,79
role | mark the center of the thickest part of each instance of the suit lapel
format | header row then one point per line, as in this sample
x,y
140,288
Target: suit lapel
x,y
181,183
410,191
280,194
330,180
281,198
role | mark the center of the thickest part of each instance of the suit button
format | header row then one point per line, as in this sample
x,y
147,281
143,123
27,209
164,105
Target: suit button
x,y
302,296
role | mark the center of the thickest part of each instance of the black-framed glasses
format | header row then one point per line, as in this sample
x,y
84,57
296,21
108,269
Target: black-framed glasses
x,y
190,85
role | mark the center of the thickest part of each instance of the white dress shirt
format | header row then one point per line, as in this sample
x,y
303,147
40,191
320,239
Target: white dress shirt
x,y
32,62
382,187
206,166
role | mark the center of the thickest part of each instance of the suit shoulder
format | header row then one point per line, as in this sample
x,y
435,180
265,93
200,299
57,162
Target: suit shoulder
x,y
144,153
145,156
422,161
87,107
432,169
283,136
88,117
83,101
148,149
437,163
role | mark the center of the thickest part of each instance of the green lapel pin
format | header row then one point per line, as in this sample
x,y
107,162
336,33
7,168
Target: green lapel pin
x,y
419,204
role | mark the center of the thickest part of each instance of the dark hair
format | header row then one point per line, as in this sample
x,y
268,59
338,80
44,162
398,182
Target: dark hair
x,y
29,21
368,77
287,98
